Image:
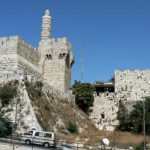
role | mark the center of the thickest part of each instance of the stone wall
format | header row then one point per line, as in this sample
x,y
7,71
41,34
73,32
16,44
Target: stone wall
x,y
16,55
8,45
8,52
24,113
132,86
27,52
104,111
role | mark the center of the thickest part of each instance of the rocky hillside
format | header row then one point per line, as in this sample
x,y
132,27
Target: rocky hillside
x,y
34,105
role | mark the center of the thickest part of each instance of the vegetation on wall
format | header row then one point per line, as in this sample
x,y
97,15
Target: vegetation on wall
x,y
83,95
7,92
133,121
34,89
6,126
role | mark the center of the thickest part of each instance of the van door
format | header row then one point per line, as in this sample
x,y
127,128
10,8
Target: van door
x,y
49,137
38,138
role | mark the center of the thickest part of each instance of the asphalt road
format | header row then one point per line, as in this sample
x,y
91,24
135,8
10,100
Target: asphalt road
x,y
9,146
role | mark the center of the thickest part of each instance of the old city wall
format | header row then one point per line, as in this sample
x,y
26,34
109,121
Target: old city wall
x,y
17,55
27,52
132,86
8,52
28,59
104,111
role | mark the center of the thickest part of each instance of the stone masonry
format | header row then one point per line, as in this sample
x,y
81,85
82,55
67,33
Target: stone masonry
x,y
51,62
130,86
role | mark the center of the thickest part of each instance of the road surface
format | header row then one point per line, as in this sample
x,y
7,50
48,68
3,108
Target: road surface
x,y
9,146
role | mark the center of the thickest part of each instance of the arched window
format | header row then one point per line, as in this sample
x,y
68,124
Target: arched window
x,y
48,57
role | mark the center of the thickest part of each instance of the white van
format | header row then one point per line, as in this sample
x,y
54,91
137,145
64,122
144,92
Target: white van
x,y
39,137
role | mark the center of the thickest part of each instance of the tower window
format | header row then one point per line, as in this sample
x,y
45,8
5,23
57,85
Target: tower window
x,y
48,57
60,56
102,115
67,61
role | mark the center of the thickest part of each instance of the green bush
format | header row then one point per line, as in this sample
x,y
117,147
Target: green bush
x,y
83,95
72,127
133,121
6,126
7,92
34,89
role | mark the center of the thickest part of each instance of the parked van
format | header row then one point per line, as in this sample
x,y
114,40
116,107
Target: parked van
x,y
40,137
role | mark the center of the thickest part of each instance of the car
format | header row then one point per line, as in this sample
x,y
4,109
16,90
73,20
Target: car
x,y
44,138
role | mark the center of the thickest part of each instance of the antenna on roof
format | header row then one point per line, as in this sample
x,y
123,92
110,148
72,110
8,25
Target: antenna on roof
x,y
82,64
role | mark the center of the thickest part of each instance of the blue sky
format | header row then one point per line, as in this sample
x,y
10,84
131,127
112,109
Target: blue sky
x,y
112,34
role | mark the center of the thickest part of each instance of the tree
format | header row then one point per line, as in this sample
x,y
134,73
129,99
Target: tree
x,y
6,126
123,117
137,116
83,95
133,121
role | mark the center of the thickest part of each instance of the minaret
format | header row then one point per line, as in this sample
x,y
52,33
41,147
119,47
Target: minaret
x,y
46,25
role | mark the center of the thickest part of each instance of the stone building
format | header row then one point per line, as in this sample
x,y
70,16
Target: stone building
x,y
128,86
51,62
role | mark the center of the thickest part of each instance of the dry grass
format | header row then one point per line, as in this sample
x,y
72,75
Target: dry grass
x,y
49,108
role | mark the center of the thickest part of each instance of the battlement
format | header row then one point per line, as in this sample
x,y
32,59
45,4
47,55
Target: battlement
x,y
27,52
61,40
61,43
4,39
8,45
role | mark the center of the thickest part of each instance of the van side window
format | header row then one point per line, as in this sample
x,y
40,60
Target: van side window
x,y
40,134
48,135
28,133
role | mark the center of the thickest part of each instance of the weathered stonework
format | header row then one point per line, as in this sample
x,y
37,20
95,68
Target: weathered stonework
x,y
51,62
104,111
130,86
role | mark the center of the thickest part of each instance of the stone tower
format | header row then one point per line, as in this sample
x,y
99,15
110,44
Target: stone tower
x,y
56,57
46,25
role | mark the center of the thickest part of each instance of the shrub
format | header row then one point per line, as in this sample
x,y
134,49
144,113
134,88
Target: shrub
x,y
83,95
34,89
6,126
72,127
7,92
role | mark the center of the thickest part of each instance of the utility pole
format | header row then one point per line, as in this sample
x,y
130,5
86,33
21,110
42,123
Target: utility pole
x,y
82,66
15,123
144,133
17,100
114,138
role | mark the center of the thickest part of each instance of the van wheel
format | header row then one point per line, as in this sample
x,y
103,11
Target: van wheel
x,y
28,142
46,145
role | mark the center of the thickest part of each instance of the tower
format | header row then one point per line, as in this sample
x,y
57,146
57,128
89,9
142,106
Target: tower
x,y
56,57
46,25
